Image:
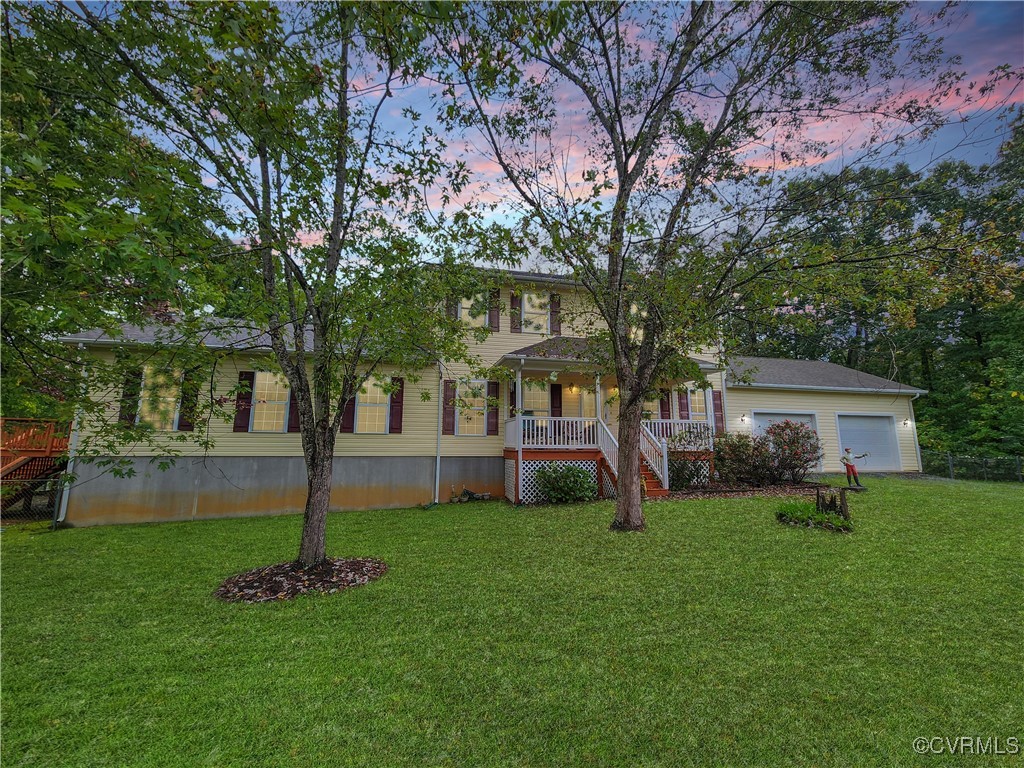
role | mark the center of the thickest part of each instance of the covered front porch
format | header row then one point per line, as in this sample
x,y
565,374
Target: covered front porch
x,y
558,411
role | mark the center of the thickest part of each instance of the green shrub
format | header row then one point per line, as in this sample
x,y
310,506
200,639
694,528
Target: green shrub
x,y
687,473
564,483
804,513
744,459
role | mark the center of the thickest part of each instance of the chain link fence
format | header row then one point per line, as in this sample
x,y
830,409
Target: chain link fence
x,y
1004,468
29,500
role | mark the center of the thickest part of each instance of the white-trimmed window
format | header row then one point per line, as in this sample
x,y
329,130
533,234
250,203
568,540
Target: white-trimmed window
x,y
536,401
471,408
159,402
652,409
588,404
269,402
698,405
536,313
372,407
474,311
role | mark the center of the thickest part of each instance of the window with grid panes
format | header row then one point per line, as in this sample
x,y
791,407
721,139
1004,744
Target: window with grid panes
x,y
160,392
473,311
371,409
471,408
536,313
269,402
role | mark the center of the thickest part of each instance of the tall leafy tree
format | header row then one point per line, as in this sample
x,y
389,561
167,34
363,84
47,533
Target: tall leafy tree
x,y
646,146
281,109
953,328
101,226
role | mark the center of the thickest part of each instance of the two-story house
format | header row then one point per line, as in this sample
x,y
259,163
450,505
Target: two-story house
x,y
400,448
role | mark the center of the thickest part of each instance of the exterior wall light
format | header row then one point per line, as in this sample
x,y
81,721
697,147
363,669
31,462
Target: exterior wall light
x,y
743,419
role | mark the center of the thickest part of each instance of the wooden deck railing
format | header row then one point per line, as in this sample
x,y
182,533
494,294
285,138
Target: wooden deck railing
x,y
20,438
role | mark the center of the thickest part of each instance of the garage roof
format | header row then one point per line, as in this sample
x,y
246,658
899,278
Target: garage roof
x,y
777,373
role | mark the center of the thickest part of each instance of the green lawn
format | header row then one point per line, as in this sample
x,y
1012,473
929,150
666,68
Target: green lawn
x,y
533,637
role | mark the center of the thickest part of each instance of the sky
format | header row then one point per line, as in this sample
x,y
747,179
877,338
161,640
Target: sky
x,y
986,35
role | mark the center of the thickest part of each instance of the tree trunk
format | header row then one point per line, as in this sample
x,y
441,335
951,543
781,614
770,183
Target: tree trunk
x,y
313,548
629,513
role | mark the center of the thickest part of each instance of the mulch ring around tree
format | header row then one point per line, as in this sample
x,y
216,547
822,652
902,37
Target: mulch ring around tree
x,y
287,580
719,491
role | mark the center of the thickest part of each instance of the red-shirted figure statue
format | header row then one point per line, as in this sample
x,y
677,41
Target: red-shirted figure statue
x,y
851,469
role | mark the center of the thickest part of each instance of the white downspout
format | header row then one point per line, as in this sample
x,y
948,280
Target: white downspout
x,y
62,511
440,419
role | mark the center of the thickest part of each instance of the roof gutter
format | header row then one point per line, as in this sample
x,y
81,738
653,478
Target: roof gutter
x,y
816,388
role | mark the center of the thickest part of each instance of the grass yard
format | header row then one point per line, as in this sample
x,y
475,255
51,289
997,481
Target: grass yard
x,y
528,637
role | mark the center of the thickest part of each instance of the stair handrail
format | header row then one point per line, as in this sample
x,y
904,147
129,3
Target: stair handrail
x,y
655,453
609,447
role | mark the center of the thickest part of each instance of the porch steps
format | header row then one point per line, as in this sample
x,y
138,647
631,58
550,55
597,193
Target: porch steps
x,y
655,490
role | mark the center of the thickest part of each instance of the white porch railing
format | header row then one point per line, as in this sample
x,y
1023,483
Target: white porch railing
x,y
561,432
655,453
682,435
609,447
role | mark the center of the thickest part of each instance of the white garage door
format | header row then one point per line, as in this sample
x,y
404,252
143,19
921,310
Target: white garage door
x,y
875,435
763,420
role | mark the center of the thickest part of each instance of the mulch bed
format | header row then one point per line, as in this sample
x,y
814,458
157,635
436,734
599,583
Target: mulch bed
x,y
287,580
719,491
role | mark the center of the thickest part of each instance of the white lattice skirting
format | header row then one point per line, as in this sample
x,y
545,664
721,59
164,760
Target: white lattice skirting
x,y
531,491
510,480
607,485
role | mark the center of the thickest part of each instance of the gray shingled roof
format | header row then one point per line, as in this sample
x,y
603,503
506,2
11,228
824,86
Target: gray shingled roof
x,y
777,373
572,349
557,348
215,332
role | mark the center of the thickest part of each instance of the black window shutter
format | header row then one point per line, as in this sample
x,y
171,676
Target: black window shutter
x,y
294,423
684,405
494,311
189,403
243,400
515,312
348,416
492,407
555,305
665,404
716,404
448,408
396,406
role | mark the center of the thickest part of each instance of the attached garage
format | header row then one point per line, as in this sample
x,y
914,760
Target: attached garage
x,y
847,408
874,435
764,419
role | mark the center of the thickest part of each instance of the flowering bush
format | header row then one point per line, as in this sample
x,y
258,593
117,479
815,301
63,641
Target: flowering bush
x,y
796,448
787,450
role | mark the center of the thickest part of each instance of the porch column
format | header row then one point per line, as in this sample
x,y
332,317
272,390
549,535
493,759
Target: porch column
x,y
709,410
519,432
597,396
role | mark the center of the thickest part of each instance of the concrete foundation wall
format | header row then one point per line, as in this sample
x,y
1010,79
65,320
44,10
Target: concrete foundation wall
x,y
240,486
